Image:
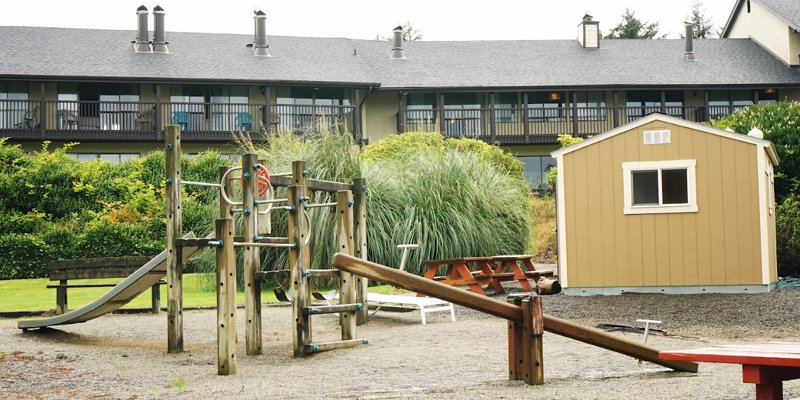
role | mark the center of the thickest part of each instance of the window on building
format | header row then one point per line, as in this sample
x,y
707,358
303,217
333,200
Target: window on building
x,y
546,106
643,102
463,114
725,102
652,187
505,107
302,109
108,157
536,169
14,105
591,105
119,106
420,112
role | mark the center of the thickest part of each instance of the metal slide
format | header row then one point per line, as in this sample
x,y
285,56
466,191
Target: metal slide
x,y
140,281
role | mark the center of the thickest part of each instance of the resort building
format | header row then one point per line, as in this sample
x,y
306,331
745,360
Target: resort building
x,y
115,90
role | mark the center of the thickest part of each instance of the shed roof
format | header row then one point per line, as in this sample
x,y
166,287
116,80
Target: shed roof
x,y
675,121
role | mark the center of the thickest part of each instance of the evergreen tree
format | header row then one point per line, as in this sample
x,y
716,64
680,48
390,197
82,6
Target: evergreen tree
x,y
703,28
633,28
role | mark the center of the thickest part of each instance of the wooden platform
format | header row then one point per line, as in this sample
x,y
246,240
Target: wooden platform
x,y
766,365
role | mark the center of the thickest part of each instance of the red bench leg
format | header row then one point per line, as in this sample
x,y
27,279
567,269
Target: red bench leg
x,y
768,379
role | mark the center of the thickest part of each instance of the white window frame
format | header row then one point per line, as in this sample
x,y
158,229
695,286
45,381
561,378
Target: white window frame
x,y
627,183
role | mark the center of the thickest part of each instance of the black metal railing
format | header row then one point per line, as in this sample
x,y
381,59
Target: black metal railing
x,y
311,118
540,125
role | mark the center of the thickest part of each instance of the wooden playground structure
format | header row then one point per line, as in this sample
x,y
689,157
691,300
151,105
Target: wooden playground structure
x,y
350,215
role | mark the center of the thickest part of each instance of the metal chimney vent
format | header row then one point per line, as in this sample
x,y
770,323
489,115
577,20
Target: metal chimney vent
x,y
141,44
159,39
397,41
260,46
689,53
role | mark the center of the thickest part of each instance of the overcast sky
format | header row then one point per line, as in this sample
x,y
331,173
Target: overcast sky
x,y
364,19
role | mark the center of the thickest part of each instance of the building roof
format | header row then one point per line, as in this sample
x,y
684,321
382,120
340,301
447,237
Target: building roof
x,y
58,53
787,10
766,144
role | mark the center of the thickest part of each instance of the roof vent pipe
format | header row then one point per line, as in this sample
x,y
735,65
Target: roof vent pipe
x,y
397,48
141,45
689,53
159,39
260,47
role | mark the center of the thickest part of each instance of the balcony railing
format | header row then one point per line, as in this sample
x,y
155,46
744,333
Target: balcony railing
x,y
542,125
143,121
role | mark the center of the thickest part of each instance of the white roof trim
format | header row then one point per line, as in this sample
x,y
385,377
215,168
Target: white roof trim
x,y
672,120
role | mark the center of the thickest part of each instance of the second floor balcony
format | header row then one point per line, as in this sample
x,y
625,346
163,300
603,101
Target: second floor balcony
x,y
142,121
541,125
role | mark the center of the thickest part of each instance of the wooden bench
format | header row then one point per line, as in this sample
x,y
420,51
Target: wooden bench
x,y
475,272
766,365
95,268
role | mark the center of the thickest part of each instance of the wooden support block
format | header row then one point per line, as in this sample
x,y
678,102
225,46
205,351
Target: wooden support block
x,y
516,353
155,299
312,348
226,298
252,262
533,326
347,283
172,205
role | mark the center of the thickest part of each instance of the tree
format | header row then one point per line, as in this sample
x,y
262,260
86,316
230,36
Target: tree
x,y
409,33
703,28
632,28
780,123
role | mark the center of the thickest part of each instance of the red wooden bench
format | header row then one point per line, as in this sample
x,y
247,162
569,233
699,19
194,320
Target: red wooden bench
x,y
475,272
766,365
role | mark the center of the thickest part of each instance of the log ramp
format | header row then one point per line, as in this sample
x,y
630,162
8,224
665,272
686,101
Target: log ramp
x,y
525,321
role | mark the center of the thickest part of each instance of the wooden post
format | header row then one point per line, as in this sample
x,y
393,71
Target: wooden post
x,y
526,129
516,355
252,287
360,241
344,235
226,298
61,297
155,299
174,229
298,265
533,329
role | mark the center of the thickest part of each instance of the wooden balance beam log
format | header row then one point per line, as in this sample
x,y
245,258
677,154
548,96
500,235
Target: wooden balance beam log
x,y
509,311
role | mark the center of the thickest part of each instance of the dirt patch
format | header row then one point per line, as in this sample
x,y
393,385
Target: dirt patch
x,y
124,356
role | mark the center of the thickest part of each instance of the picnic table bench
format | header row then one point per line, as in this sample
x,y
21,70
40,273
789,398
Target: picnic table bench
x,y
766,365
95,268
475,272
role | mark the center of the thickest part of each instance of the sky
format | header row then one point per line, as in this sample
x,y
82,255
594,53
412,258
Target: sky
x,y
365,19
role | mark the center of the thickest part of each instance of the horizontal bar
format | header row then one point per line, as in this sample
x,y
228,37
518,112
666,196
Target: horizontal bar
x,y
268,239
196,242
323,273
320,205
341,308
312,184
205,184
271,201
257,244
277,274
344,344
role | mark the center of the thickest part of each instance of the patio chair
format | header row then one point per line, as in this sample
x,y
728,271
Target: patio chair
x,y
28,118
183,119
67,119
244,122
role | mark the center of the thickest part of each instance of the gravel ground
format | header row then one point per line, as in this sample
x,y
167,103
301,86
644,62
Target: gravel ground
x,y
124,357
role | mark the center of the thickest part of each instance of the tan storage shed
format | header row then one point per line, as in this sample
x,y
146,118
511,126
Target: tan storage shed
x,y
663,205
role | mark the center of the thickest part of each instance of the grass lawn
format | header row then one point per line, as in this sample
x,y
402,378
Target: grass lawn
x,y
32,295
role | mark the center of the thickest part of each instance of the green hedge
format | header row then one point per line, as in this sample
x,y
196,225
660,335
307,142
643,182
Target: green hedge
x,y
787,223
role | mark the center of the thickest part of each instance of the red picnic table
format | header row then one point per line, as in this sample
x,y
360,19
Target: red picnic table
x,y
766,365
475,272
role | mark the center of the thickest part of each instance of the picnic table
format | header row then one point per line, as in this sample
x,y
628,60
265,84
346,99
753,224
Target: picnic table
x,y
766,365
475,272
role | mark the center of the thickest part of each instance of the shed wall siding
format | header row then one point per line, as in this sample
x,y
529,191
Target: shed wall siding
x,y
718,245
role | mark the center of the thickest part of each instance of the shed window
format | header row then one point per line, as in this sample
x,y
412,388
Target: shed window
x,y
659,187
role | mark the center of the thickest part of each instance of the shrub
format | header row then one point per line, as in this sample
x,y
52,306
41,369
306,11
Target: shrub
x,y
16,222
61,241
780,123
102,238
24,256
787,223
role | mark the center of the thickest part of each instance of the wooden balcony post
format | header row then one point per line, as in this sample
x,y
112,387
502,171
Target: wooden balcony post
x,y
526,129
266,112
575,113
706,100
440,106
402,112
492,122
616,109
355,129
663,102
42,108
158,113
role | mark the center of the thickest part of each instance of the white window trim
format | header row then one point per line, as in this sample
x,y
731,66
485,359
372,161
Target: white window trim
x,y
629,167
